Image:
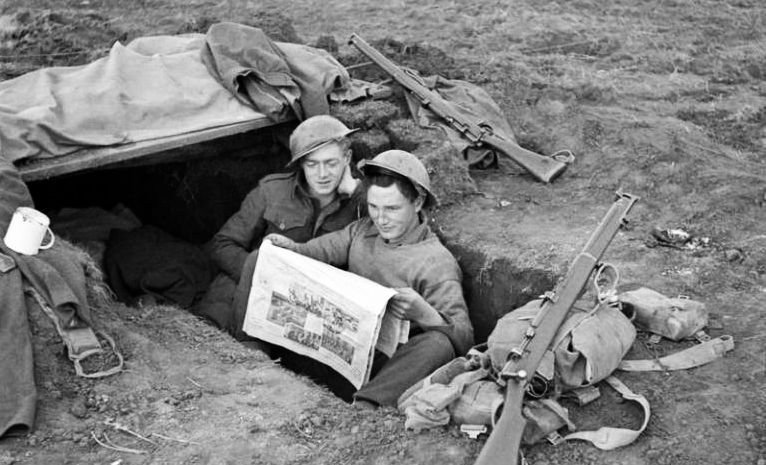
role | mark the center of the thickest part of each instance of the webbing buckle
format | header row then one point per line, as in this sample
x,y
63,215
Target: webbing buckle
x,y
554,438
80,343
78,358
473,431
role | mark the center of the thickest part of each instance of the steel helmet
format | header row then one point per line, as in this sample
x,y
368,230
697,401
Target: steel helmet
x,y
405,164
314,133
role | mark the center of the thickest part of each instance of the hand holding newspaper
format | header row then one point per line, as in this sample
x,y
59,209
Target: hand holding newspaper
x,y
314,309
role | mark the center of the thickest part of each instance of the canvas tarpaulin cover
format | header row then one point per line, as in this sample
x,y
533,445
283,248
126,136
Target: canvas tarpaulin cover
x,y
152,88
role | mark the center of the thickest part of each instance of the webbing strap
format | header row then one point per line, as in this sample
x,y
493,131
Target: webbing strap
x,y
608,438
694,356
81,343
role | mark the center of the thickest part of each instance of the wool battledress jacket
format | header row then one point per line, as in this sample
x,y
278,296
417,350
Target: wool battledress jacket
x,y
418,260
280,204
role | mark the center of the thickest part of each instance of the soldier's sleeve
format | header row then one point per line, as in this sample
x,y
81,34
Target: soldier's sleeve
x,y
446,296
231,245
330,248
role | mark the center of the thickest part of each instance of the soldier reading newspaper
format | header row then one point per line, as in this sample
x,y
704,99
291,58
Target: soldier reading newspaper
x,y
333,316
395,248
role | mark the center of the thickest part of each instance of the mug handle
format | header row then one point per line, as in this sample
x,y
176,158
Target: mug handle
x,y
49,244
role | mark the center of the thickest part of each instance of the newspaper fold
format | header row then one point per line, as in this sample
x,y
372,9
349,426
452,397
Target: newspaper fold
x,y
314,309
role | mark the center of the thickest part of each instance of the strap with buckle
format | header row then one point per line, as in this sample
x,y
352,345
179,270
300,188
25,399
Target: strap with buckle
x,y
81,342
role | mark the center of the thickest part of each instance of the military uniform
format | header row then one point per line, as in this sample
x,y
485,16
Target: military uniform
x,y
417,260
280,204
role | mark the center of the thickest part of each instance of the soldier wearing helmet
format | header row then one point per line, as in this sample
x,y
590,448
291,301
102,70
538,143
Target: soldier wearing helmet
x,y
318,196
395,247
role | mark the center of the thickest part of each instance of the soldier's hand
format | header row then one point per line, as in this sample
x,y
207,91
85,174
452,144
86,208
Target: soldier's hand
x,y
348,183
407,304
280,241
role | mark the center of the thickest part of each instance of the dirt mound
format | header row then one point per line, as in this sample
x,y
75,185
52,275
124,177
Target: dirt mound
x,y
273,23
743,130
31,39
426,59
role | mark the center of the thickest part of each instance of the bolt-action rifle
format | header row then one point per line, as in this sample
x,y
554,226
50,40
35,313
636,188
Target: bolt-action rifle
x,y
545,169
502,447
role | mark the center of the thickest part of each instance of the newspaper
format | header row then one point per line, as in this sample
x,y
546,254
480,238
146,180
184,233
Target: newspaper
x,y
314,309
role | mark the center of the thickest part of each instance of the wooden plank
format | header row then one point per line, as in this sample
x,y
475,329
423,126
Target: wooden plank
x,y
88,159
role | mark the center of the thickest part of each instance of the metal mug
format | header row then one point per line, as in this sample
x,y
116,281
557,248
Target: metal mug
x,y
27,230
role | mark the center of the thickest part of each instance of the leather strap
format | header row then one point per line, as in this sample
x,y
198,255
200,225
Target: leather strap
x,y
694,356
81,343
608,438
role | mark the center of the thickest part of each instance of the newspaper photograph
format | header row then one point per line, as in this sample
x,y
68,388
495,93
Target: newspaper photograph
x,y
314,309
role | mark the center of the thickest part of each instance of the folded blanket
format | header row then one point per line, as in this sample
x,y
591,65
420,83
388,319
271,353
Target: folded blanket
x,y
274,77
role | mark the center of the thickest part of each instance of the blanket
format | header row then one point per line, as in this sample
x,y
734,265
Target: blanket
x,y
275,77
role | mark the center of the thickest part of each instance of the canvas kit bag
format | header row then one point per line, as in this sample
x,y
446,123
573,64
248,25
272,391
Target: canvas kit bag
x,y
587,349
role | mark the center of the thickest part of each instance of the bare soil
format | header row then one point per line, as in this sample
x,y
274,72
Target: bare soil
x,y
665,99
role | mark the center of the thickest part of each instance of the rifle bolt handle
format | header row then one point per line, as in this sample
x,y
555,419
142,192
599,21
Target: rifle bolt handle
x,y
521,374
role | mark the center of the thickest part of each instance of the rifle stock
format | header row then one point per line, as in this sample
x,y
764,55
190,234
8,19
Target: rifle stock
x,y
510,434
504,442
544,169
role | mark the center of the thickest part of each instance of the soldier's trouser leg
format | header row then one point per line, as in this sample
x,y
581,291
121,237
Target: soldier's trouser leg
x,y
216,304
411,362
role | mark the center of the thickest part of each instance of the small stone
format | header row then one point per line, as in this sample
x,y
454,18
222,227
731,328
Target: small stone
x,y
78,408
354,430
761,462
734,255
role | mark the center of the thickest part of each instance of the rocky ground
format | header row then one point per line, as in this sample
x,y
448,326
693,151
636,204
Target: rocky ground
x,y
663,99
